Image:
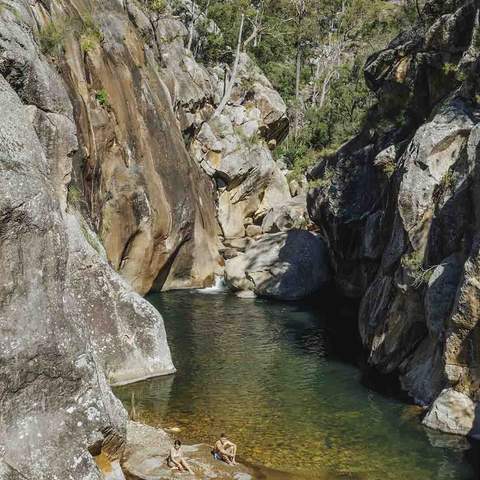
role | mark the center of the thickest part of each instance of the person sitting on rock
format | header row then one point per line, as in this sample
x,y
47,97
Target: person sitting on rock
x,y
175,458
225,450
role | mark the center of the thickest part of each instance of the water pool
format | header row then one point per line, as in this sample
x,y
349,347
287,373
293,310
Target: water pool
x,y
265,373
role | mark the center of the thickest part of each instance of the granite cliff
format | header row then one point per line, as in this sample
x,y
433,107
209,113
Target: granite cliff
x,y
398,207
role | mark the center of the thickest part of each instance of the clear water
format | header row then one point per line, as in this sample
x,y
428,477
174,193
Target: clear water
x,y
263,372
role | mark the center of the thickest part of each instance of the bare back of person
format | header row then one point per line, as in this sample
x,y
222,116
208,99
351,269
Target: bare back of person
x,y
226,450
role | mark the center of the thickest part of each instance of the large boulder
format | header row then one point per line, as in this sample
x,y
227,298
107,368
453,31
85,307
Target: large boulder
x,y
285,266
286,216
454,412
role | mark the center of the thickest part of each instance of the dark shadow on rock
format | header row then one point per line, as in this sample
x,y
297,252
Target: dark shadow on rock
x,y
287,266
473,454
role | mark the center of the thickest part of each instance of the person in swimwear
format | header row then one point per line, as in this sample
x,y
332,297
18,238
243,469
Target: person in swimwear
x,y
225,450
175,458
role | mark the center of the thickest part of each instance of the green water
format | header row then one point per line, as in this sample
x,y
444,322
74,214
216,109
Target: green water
x,y
264,373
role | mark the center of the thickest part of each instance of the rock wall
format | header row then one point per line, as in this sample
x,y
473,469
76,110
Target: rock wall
x,y
161,177
398,207
69,324
114,170
150,203
234,147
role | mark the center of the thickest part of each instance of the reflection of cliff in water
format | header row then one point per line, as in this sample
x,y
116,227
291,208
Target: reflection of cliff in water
x,y
140,399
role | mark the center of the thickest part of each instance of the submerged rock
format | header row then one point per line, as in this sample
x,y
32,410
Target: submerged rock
x,y
285,266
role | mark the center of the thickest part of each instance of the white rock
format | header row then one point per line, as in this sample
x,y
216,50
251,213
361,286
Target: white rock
x,y
453,412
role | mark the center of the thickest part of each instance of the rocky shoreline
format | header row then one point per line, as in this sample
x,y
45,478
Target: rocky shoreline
x,y
143,457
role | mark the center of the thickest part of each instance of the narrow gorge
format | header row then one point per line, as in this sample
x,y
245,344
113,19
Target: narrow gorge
x,y
145,161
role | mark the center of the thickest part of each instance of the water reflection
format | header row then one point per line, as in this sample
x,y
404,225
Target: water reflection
x,y
264,372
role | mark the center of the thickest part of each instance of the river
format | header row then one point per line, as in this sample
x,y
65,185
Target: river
x,y
266,374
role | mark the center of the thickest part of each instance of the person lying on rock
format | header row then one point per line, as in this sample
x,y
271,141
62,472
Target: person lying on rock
x,y
175,458
225,450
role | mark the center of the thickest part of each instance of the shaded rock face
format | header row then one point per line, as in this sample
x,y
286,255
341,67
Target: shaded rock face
x,y
284,266
398,208
69,324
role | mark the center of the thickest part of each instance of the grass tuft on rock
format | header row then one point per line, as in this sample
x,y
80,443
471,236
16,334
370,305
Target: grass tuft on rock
x,y
52,38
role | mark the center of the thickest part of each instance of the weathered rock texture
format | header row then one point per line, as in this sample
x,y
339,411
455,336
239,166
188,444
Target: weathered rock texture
x,y
69,324
398,207
232,148
285,266
151,204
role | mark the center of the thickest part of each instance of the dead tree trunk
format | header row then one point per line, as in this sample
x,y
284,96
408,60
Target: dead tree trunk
x,y
233,76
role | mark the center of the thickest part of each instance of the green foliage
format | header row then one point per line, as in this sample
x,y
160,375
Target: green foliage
x,y
326,128
447,184
52,37
449,68
453,70
287,36
388,168
90,35
102,97
448,181
158,6
413,264
74,195
326,180
298,156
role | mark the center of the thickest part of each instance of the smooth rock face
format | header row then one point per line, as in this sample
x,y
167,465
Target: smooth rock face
x,y
152,205
125,330
53,395
285,266
398,207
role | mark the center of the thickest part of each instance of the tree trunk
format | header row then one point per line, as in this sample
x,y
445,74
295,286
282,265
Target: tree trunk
x,y
231,83
297,89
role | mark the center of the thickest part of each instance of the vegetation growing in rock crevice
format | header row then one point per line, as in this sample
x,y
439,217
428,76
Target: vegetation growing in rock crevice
x,y
90,36
102,98
52,37
413,263
53,34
